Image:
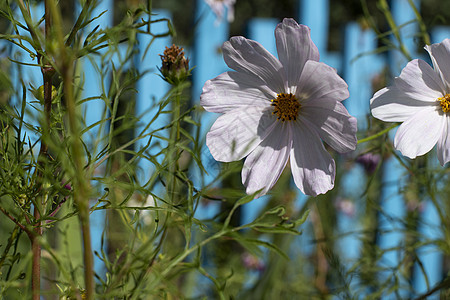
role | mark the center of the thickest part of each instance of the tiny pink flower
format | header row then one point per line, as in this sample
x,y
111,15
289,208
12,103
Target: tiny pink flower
x,y
415,205
279,110
252,262
420,98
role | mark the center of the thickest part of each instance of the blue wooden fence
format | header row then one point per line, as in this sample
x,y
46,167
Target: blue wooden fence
x,y
358,73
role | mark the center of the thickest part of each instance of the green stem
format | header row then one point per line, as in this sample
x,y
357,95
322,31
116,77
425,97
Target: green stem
x,y
81,185
177,113
77,26
321,264
443,285
47,75
27,17
422,26
149,8
394,28
372,137
173,152
187,252
36,263
174,262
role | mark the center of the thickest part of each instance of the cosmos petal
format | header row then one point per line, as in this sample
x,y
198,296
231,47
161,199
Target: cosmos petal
x,y
264,165
419,81
443,145
418,135
320,81
295,48
440,54
332,121
312,166
231,90
393,105
250,57
235,134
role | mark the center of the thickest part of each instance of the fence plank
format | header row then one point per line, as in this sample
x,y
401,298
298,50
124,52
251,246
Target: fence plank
x,y
315,14
430,226
93,84
404,17
94,111
209,36
393,173
360,65
151,89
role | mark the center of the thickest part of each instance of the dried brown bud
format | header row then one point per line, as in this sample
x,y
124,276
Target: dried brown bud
x,y
175,67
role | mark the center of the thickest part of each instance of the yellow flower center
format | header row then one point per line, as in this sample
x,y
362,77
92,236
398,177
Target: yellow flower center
x,y
286,107
445,103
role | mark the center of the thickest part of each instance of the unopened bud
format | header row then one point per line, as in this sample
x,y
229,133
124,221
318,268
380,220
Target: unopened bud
x,y
39,94
175,67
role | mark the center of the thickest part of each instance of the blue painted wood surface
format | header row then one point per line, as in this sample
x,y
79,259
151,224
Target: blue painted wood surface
x,y
394,177
209,36
151,89
93,85
93,111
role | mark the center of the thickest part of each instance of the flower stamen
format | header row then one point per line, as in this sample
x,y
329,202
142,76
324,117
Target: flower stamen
x,y
445,103
286,107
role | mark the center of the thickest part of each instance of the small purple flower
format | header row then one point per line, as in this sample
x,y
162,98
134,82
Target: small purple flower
x,y
369,161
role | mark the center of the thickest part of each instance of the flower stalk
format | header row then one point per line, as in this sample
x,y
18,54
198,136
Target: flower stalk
x,y
34,236
81,186
175,70
378,134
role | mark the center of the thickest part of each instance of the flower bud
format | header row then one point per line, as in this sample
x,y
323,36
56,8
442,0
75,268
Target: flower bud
x,y
175,67
39,94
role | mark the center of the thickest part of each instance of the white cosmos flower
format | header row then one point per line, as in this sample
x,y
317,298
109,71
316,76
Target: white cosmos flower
x,y
275,110
420,98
